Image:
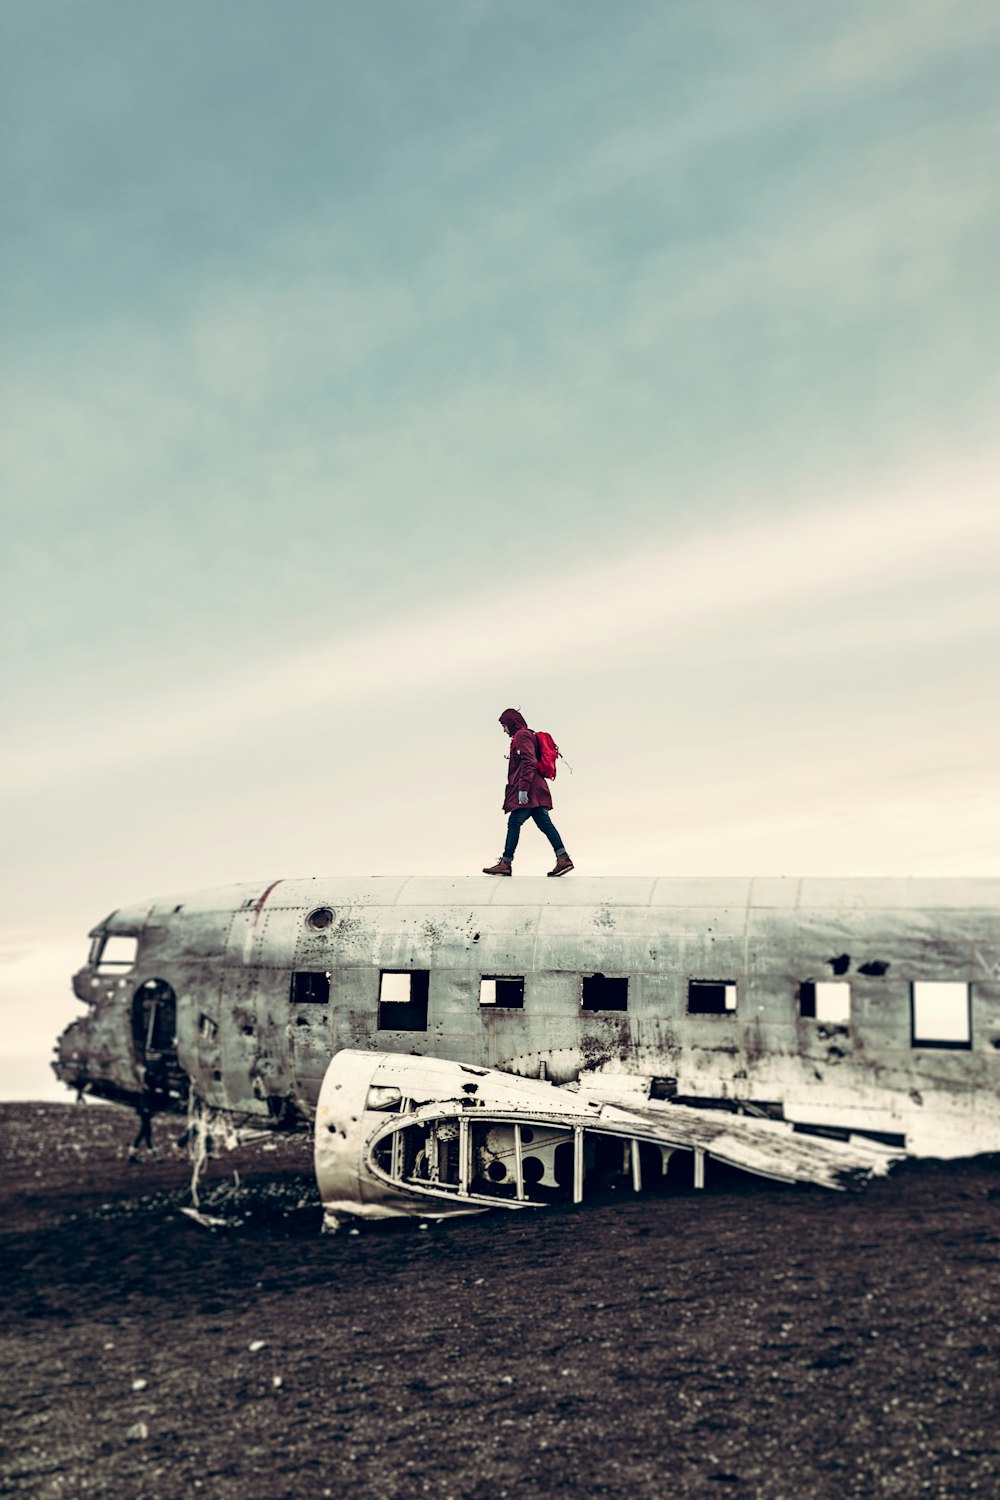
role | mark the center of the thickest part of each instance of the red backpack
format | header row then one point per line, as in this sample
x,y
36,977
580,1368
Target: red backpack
x,y
547,752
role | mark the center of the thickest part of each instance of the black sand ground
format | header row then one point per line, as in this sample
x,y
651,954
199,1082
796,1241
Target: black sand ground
x,y
751,1340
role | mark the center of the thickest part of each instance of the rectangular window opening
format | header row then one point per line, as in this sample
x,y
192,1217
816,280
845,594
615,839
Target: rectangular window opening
x,y
601,993
385,1097
402,999
941,1014
825,1000
118,952
502,990
710,997
309,988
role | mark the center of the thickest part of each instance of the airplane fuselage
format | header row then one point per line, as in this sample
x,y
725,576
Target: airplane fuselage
x,y
869,1005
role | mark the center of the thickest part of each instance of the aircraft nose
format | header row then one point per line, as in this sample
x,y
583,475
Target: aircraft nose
x,y
83,986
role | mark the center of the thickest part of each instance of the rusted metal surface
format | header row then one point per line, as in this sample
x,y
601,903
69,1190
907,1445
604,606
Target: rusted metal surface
x,y
252,1040
398,1135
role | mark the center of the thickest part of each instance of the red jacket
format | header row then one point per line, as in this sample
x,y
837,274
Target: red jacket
x,y
523,774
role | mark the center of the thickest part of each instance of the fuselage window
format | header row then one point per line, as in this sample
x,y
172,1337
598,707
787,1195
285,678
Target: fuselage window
x,y
941,1014
309,988
825,1000
502,990
320,918
117,953
600,993
708,997
402,1000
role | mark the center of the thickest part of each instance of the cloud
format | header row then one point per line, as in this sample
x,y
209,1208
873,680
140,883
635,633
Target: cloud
x,y
680,263
893,45
938,537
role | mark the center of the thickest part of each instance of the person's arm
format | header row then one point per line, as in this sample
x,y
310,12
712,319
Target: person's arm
x,y
527,765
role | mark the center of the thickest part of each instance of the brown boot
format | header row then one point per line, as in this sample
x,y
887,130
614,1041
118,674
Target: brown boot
x,y
502,867
563,865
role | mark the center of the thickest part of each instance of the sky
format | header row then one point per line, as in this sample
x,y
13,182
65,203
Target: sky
x,y
369,369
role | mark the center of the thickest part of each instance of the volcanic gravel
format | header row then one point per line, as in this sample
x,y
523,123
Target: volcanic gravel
x,y
750,1340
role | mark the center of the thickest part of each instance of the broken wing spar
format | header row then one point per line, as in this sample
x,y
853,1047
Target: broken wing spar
x,y
401,1135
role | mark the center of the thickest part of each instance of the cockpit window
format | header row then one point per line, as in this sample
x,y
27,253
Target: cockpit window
x,y
115,953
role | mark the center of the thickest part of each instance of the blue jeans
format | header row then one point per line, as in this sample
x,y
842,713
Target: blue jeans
x,y
516,822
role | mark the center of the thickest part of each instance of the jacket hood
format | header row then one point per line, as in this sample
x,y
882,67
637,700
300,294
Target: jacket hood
x,y
513,720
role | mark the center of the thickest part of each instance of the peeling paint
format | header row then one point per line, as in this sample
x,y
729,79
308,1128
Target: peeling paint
x,y
612,1046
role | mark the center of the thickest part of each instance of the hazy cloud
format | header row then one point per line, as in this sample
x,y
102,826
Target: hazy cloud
x,y
658,601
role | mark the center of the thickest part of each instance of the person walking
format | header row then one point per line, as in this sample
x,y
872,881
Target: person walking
x,y
527,796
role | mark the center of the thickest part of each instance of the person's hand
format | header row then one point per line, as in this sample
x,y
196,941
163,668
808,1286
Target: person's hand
x,y
522,799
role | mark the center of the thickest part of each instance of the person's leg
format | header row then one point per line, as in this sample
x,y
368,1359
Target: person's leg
x,y
144,1136
563,862
515,823
545,823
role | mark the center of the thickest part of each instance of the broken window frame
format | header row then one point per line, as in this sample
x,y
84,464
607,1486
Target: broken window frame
x,y
310,987
812,994
729,988
608,993
940,1043
404,1015
512,993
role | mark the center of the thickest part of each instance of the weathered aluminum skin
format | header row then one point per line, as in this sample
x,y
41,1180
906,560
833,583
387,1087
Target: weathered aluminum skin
x,y
229,955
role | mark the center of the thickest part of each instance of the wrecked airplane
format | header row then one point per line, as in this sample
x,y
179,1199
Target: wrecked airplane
x,y
843,1008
